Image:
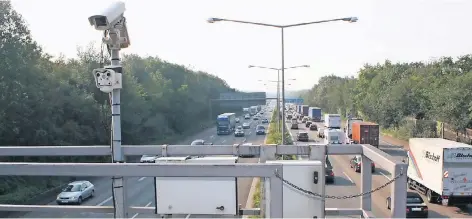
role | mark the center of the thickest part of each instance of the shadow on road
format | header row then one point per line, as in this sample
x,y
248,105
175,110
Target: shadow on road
x,y
340,181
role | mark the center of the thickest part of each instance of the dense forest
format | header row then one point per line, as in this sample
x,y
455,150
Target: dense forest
x,y
46,101
392,94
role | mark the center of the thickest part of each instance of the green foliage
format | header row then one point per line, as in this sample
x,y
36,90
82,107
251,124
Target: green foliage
x,y
46,102
394,95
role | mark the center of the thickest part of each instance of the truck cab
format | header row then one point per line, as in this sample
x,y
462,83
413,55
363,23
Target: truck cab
x,y
334,136
294,124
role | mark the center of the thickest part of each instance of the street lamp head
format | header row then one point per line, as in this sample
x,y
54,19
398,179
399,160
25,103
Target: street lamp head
x,y
213,20
250,66
351,19
306,66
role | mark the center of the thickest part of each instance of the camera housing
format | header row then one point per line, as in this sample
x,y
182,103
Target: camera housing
x,y
108,17
106,79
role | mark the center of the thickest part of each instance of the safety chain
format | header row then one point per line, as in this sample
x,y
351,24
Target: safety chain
x,y
333,196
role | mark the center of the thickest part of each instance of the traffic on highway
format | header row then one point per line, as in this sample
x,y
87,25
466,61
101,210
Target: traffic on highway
x,y
347,179
141,190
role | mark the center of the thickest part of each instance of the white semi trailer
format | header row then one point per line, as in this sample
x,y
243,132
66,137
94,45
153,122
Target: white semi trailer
x,y
441,169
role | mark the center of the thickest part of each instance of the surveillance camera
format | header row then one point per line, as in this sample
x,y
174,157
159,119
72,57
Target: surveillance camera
x,y
107,79
108,17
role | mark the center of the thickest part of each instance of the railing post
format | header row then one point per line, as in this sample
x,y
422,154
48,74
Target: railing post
x,y
276,196
366,183
398,192
319,153
267,152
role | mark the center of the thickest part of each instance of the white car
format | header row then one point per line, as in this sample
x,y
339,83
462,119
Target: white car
x,y
148,159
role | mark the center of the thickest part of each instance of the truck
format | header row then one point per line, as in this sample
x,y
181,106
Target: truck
x,y
332,121
225,123
348,128
440,169
259,108
334,136
315,114
304,110
299,109
365,133
253,110
245,110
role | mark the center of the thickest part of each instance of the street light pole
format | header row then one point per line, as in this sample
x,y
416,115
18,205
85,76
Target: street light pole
x,y
283,88
278,100
348,19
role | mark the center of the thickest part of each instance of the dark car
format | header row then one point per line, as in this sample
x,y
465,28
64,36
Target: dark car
x,y
260,130
307,124
356,164
329,177
302,136
415,206
237,120
313,127
265,121
255,118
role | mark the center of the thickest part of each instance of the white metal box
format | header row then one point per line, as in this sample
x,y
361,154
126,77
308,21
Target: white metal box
x,y
332,121
197,195
301,173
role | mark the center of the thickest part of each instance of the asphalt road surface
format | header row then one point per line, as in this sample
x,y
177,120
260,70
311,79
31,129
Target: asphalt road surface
x,y
141,191
347,182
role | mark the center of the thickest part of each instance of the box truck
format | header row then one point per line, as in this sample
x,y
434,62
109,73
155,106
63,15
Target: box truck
x,y
348,128
253,110
441,169
315,114
365,133
332,121
305,110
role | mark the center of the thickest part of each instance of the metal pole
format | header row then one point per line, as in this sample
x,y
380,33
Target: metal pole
x,y
119,190
278,101
283,89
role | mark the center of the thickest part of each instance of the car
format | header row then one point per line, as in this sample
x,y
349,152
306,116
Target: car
x,y
302,136
148,159
304,120
265,121
313,127
255,118
356,164
239,132
329,175
307,124
415,205
200,142
247,116
246,126
76,192
320,133
237,120
260,130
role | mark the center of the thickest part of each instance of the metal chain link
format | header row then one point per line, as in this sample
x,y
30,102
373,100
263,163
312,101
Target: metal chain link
x,y
333,196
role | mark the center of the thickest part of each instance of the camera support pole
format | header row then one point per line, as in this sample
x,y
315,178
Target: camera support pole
x,y
119,184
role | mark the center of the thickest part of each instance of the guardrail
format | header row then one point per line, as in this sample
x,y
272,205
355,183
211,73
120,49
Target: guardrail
x,y
369,153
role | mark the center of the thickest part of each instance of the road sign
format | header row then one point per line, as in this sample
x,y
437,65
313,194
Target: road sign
x,y
294,100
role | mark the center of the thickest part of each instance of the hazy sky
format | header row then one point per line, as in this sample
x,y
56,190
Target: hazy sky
x,y
177,31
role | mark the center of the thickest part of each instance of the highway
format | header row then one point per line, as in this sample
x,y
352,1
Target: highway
x,y
140,190
347,182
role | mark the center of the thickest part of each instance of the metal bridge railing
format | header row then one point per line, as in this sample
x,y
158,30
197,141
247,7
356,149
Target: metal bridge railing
x,y
369,154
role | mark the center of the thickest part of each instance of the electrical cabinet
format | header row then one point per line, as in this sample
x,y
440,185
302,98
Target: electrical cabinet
x,y
308,175
197,195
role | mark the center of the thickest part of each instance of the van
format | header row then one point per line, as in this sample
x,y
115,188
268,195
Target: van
x,y
294,124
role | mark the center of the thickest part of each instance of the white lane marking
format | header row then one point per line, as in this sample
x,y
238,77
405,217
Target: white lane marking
x,y
249,133
105,201
349,178
223,141
135,215
211,136
141,179
383,174
244,140
188,216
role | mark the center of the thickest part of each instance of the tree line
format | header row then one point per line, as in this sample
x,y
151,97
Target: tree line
x,y
392,94
47,101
